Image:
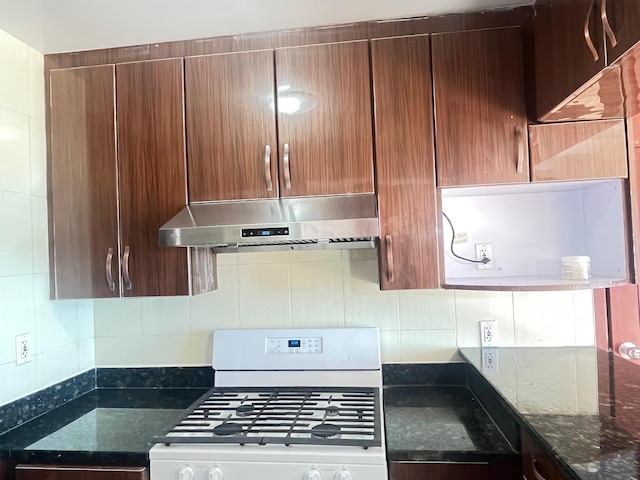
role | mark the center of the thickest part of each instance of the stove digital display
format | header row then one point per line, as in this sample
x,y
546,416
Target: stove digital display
x,y
294,343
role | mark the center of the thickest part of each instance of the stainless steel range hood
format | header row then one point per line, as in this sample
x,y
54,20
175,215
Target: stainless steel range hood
x,y
313,223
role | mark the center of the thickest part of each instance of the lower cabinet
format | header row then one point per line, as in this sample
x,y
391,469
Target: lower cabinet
x,y
454,471
536,465
65,472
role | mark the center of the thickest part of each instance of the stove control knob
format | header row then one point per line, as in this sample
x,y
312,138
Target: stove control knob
x,y
312,474
343,474
186,473
215,473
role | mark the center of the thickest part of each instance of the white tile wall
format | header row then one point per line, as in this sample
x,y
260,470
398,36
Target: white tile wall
x,y
62,331
320,289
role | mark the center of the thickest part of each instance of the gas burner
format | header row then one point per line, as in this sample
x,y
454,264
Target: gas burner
x,y
325,430
245,410
332,411
227,429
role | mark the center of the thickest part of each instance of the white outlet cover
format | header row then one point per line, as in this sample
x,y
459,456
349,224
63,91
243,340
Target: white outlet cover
x,y
24,348
488,333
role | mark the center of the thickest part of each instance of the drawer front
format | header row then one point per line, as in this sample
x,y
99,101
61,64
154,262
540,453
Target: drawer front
x,y
536,465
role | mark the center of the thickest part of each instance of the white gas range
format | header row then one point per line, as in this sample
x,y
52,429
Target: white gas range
x,y
287,405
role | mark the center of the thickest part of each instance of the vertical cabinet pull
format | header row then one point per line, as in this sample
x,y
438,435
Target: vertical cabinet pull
x,y
605,23
521,153
587,33
109,272
536,472
125,268
287,171
267,167
389,244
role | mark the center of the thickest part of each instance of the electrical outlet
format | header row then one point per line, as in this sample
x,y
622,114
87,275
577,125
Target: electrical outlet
x,y
488,333
24,347
484,250
490,360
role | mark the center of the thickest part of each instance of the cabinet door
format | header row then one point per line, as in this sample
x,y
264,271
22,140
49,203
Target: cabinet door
x,y
481,119
62,472
405,164
623,16
84,198
537,465
231,126
151,163
324,119
563,60
438,471
578,151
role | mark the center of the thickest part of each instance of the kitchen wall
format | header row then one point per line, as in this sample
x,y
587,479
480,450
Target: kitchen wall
x,y
331,289
63,331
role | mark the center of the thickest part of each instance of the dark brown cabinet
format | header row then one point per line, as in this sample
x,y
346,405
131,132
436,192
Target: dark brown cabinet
x,y
63,472
481,120
83,204
621,21
578,151
152,174
569,50
324,119
537,465
231,126
405,164
505,470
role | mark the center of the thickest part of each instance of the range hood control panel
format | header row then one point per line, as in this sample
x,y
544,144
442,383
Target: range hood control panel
x,y
294,345
265,232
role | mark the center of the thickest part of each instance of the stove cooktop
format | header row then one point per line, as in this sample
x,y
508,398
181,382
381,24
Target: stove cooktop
x,y
282,415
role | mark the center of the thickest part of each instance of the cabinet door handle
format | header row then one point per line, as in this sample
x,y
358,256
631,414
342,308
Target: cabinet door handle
x,y
521,155
605,23
587,33
109,272
536,473
287,171
125,268
389,244
267,167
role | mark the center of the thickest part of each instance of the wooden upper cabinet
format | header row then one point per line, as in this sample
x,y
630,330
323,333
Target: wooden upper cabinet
x,y
623,17
569,50
481,119
231,126
405,164
324,119
578,151
151,164
84,197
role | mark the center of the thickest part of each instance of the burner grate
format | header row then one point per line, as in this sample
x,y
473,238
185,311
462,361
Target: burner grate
x,y
283,415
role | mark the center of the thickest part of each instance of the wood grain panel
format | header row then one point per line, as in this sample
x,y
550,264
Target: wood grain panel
x,y
230,124
151,163
633,131
438,471
563,60
481,120
536,464
317,35
601,315
64,472
624,18
578,151
405,163
324,116
624,316
213,45
601,98
84,199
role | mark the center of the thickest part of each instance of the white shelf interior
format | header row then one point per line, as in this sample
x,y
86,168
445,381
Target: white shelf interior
x,y
531,227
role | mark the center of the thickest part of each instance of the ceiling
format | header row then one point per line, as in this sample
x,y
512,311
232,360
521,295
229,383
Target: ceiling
x,y
68,25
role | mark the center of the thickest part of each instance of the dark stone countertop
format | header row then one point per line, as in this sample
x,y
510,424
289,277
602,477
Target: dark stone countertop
x,y
582,405
104,426
440,424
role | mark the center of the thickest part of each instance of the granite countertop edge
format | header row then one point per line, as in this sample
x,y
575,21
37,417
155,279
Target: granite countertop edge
x,y
513,411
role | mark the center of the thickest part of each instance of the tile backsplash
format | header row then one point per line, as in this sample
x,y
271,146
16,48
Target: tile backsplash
x,y
331,289
62,331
